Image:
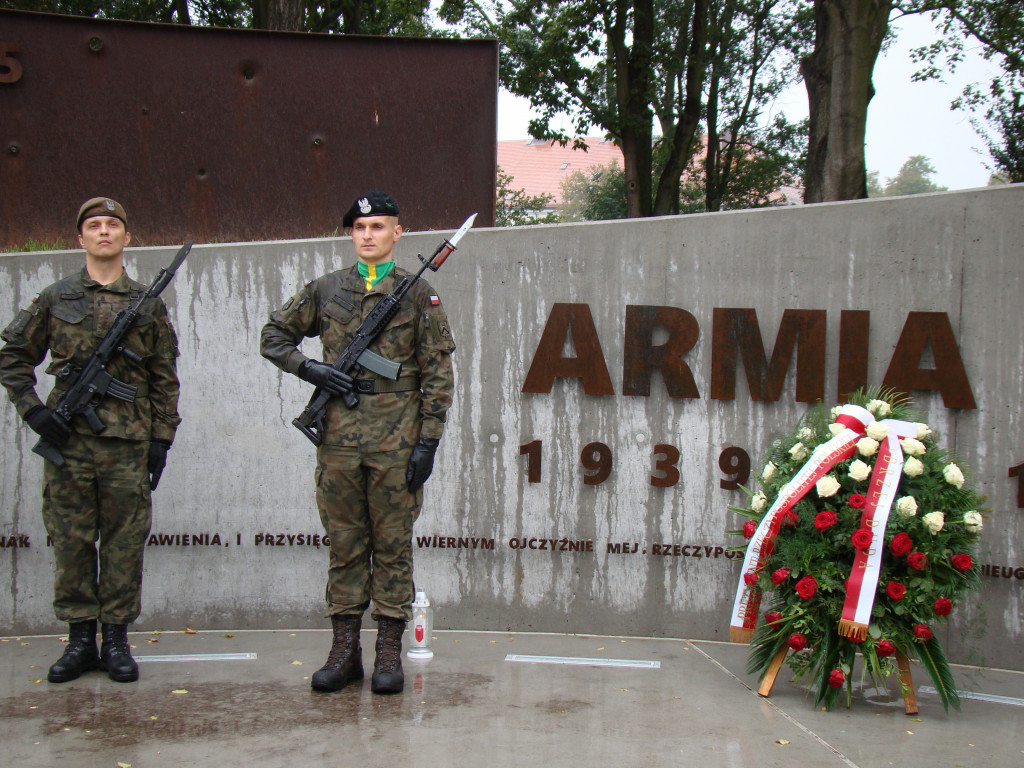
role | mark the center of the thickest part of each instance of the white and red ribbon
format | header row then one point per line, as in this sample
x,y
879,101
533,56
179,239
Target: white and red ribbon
x,y
867,563
748,601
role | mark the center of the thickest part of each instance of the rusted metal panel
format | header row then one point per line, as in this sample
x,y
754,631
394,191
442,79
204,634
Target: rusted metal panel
x,y
226,135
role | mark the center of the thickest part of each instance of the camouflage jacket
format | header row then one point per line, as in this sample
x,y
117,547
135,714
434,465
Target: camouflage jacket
x,y
332,307
69,319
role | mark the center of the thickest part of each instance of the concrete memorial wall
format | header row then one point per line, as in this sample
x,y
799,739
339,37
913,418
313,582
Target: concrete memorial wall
x,y
617,382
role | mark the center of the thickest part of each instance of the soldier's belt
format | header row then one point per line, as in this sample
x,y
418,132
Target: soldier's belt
x,y
377,386
142,388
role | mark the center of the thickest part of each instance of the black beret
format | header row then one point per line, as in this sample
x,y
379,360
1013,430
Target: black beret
x,y
371,204
100,206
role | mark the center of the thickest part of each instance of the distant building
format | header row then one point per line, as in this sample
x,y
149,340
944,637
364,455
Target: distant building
x,y
538,167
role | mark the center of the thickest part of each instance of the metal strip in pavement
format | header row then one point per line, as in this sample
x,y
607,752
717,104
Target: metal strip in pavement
x,y
579,660
200,657
989,697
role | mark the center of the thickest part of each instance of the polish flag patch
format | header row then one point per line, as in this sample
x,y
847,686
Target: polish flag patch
x,y
435,300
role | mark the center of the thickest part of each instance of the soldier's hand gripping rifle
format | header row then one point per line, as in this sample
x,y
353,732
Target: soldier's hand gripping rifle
x,y
311,421
93,382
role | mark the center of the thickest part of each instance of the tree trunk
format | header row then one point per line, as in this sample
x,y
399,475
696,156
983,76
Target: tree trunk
x,y
632,96
848,36
285,15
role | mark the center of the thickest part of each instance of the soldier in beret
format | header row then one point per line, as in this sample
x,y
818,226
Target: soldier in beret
x,y
103,489
375,457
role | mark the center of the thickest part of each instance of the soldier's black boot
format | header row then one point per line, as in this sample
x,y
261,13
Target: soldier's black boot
x,y
387,668
116,656
79,656
345,661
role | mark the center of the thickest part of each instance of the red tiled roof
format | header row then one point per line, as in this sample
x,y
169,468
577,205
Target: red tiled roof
x,y
538,168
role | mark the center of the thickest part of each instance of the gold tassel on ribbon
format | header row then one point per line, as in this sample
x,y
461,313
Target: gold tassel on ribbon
x,y
853,630
740,635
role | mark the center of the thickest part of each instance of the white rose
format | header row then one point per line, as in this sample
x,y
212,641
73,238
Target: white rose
x,y
867,446
805,433
934,521
907,506
953,475
799,452
768,471
913,467
877,431
758,502
827,486
859,471
923,430
835,429
836,410
912,447
879,408
972,521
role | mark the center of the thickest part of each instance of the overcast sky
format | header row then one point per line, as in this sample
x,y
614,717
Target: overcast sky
x,y
905,118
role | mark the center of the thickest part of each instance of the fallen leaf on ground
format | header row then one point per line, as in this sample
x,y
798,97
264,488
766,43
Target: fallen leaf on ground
x,y
190,631
783,742
179,690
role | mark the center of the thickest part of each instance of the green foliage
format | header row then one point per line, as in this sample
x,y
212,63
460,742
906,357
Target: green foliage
x,y
913,178
932,561
1008,149
595,195
515,208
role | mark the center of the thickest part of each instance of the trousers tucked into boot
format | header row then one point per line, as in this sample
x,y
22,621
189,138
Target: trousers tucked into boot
x,y
345,661
387,668
79,656
116,656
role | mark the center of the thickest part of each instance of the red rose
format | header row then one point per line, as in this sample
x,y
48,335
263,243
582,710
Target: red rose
x,y
943,606
797,641
748,529
857,501
772,618
885,648
962,562
921,632
836,678
790,519
750,578
825,519
895,590
806,587
901,544
780,576
917,560
862,538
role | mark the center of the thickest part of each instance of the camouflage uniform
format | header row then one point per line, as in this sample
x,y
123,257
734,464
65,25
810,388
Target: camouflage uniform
x,y
361,489
103,488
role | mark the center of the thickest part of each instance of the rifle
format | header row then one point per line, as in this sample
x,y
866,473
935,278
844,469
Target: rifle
x,y
311,421
93,382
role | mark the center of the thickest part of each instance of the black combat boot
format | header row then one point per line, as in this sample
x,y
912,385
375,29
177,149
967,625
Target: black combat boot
x,y
80,655
387,668
344,663
116,656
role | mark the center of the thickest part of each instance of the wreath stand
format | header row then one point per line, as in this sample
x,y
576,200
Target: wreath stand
x,y
909,697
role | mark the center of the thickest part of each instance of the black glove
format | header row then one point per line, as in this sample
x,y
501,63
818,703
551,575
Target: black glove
x,y
48,425
157,461
324,376
421,463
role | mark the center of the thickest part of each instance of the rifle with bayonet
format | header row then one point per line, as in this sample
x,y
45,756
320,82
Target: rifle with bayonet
x,y
93,381
357,353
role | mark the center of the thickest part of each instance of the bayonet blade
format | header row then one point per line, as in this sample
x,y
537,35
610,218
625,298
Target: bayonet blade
x,y
466,226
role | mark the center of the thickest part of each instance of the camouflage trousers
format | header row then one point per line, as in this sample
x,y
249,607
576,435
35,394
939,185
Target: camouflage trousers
x,y
101,492
369,513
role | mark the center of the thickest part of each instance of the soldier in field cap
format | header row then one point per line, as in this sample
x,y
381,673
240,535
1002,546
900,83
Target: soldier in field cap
x,y
103,490
374,458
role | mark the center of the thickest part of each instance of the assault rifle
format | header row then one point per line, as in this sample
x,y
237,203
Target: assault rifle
x,y
311,421
93,381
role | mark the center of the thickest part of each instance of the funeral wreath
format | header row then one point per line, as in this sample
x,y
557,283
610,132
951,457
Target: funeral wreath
x,y
861,540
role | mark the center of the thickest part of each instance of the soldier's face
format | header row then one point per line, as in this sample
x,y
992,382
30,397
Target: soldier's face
x,y
374,238
104,237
